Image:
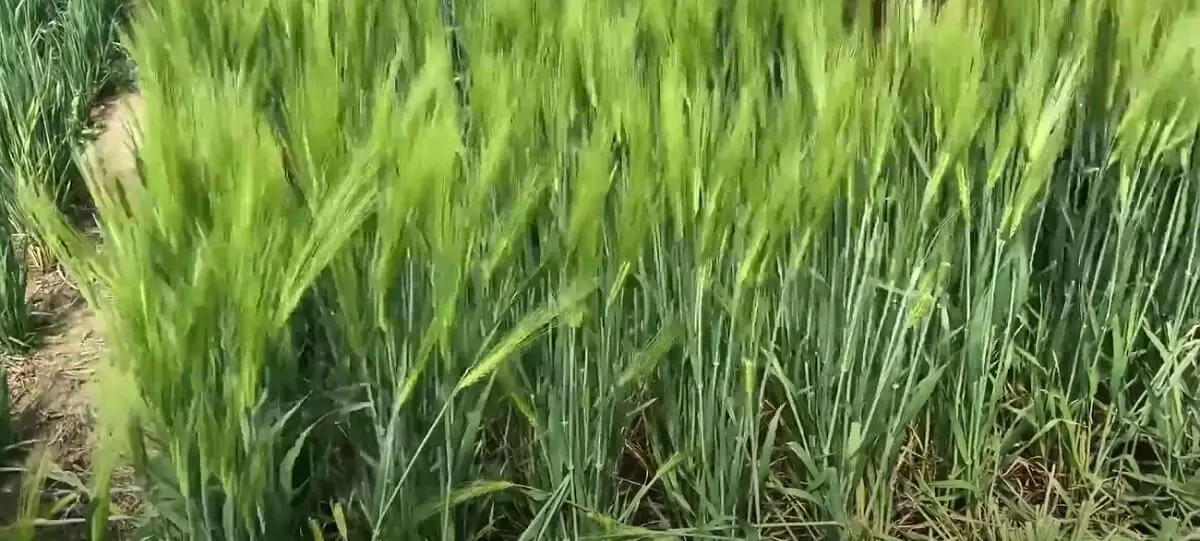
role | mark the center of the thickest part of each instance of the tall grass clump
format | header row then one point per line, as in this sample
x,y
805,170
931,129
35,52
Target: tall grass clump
x,y
8,429
525,269
57,58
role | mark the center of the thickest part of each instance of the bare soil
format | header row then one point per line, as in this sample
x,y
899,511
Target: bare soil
x,y
53,400
49,385
112,155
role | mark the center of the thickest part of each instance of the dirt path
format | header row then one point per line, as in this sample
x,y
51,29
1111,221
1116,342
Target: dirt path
x,y
50,385
53,401
112,154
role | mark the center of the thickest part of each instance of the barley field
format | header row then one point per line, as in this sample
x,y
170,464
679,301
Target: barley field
x,y
646,269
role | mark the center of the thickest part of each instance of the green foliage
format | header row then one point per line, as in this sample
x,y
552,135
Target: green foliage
x,y
14,328
658,269
8,432
56,58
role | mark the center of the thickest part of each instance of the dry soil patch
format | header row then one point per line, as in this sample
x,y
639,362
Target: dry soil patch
x,y
112,155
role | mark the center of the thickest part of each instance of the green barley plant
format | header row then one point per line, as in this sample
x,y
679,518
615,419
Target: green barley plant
x,y
16,325
8,421
524,269
57,58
